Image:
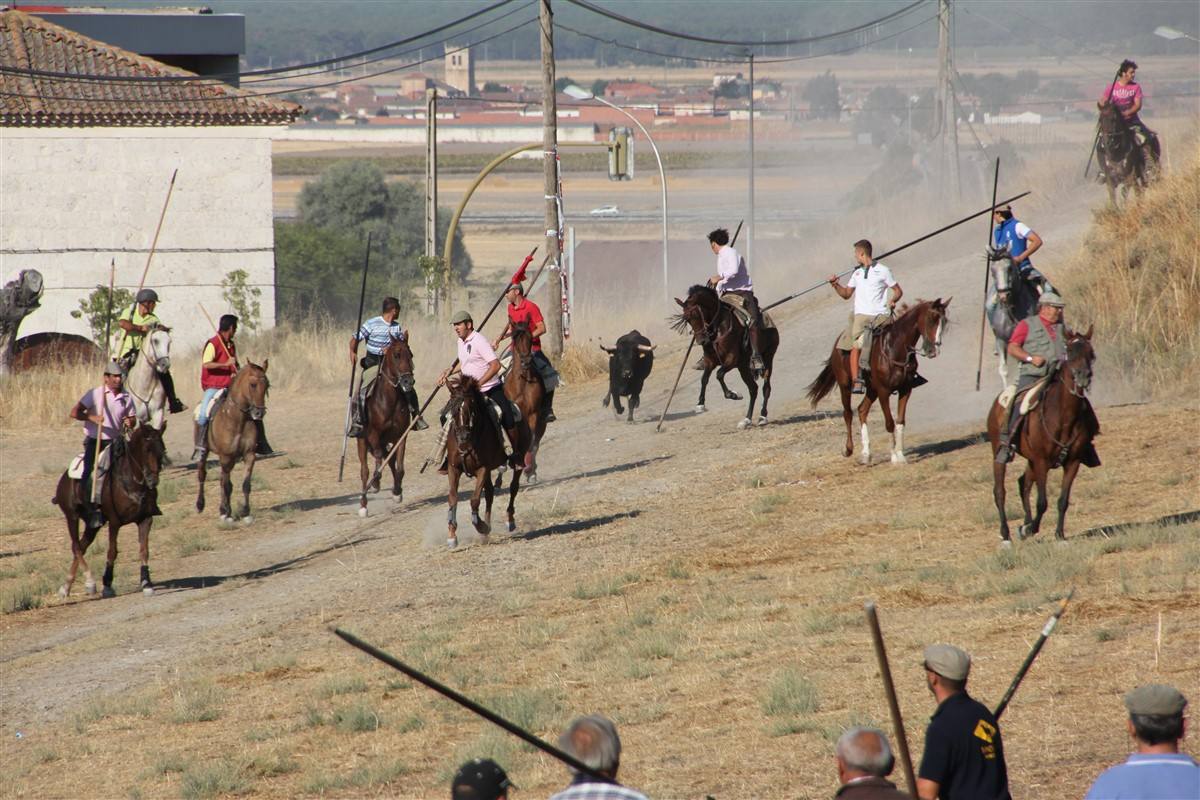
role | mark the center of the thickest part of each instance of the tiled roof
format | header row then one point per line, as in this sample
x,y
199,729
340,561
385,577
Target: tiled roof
x,y
28,42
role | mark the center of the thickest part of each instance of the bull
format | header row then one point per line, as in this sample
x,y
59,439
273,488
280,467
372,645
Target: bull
x,y
629,364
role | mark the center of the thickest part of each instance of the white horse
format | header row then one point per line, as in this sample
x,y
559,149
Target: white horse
x,y
143,383
1012,298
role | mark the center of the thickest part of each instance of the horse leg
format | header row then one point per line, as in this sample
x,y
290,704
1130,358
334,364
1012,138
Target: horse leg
x,y
1064,498
1024,487
513,487
889,423
489,493
700,408
201,474
452,512
1041,470
752,390
249,458
998,494
766,393
226,488
364,475
480,526
76,552
110,559
144,555
729,393
864,410
397,465
898,436
1002,350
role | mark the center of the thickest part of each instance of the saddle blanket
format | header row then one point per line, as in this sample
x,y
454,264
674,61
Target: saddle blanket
x,y
1029,397
75,469
845,343
212,406
738,304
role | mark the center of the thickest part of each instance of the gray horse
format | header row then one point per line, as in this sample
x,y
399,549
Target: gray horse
x,y
1012,298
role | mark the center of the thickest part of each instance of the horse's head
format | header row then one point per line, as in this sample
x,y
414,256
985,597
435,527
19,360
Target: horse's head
x,y
249,389
1111,120
1080,357
932,320
699,312
464,397
157,347
1002,271
397,365
522,344
146,451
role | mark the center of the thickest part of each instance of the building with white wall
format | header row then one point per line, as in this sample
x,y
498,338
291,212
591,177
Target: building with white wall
x,y
85,166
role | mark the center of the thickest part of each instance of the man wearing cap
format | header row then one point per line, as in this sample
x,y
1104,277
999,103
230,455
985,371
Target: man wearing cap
x,y
864,760
964,755
1039,343
522,309
136,321
1157,770
218,365
875,294
1019,241
103,411
379,333
480,779
593,741
478,360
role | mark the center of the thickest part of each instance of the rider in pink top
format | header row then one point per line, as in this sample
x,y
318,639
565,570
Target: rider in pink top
x,y
1126,95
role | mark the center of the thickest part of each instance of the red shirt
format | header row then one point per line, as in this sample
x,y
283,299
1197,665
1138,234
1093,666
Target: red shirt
x,y
526,311
1021,332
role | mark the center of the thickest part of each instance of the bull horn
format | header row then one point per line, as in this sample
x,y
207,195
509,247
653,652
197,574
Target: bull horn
x,y
647,348
605,349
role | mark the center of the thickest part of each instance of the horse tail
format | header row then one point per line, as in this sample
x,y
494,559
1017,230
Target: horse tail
x,y
823,384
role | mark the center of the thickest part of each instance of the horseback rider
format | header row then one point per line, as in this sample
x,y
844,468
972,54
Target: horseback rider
x,y
1126,94
733,278
1040,344
1019,242
874,305
105,409
478,360
136,321
218,365
522,309
379,333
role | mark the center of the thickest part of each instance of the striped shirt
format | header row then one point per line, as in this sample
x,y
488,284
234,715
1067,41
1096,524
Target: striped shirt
x,y
587,789
379,334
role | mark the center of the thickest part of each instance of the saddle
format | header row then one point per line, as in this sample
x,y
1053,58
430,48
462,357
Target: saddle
x,y
75,468
737,304
1029,397
213,404
845,343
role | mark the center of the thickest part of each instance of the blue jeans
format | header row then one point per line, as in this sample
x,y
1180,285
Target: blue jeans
x,y
208,395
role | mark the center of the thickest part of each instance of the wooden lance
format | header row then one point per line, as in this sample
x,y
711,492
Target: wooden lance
x,y
889,688
350,399
987,272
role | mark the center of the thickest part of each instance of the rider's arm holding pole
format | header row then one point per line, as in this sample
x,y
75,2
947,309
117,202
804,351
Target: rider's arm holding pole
x,y
844,292
78,412
354,347
897,293
504,334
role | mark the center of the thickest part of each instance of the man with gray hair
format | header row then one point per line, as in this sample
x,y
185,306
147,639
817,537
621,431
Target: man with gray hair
x,y
864,759
593,741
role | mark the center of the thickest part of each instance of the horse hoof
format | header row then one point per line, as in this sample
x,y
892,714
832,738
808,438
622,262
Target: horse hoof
x,y
898,458
362,512
226,520
762,421
108,591
512,526
63,591
1005,544
865,459
89,588
248,519
398,498
531,477
147,590
700,409
452,543
743,425
481,527
485,539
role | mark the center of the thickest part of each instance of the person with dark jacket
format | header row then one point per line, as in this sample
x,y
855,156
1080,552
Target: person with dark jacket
x,y
864,760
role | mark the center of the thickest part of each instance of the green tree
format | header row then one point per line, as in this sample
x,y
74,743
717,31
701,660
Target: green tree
x,y
563,83
102,314
822,95
598,87
492,86
243,299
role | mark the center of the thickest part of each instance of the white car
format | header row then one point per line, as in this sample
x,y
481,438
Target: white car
x,y
606,211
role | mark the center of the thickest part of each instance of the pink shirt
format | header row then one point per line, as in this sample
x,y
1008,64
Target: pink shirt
x,y
1123,97
475,353
116,408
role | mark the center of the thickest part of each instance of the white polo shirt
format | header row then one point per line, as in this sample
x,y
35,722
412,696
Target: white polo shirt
x,y
871,289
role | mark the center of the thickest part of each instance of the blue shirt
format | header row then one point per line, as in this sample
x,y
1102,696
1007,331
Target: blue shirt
x,y
379,334
1013,235
1149,776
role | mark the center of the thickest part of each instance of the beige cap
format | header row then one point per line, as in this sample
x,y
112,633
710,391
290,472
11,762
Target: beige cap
x,y
948,661
460,316
1156,700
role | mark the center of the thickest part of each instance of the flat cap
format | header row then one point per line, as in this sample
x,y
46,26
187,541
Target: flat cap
x,y
460,316
111,368
1155,699
948,661
1051,299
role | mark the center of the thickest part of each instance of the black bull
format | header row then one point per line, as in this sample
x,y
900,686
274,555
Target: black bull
x,y
629,364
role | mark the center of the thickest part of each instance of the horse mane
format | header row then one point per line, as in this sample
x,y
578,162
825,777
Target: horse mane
x,y
464,385
246,371
679,322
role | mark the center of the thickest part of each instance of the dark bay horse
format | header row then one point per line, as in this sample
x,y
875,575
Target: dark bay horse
x,y
1125,164
893,362
129,495
385,419
726,344
524,387
1059,432
474,447
233,436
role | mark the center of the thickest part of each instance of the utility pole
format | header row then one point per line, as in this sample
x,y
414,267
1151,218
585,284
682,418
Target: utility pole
x,y
947,118
553,340
431,196
750,215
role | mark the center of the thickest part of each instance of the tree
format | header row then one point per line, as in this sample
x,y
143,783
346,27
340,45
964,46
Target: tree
x,y
598,87
493,87
242,298
101,314
822,95
563,83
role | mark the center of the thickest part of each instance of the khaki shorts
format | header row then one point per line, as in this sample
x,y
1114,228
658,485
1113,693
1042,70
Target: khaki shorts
x,y
859,334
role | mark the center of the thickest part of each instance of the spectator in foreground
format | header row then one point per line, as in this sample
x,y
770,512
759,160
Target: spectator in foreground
x,y
864,760
593,740
1156,770
480,779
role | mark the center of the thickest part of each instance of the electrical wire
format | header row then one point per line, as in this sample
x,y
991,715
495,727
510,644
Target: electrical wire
x,y
604,12
252,73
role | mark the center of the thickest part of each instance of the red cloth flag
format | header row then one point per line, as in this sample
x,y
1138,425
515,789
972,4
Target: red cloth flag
x,y
519,275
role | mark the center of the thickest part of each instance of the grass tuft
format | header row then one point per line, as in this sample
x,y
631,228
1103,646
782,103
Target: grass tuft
x,y
212,779
790,694
200,701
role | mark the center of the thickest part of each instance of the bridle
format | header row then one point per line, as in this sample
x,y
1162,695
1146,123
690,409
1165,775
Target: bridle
x,y
928,349
152,357
403,380
149,477
708,330
462,414
248,409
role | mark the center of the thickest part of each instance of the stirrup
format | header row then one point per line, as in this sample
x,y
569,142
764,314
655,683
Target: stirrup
x,y
420,424
858,387
1004,455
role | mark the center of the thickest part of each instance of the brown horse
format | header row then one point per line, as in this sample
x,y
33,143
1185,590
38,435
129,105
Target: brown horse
x,y
726,344
524,387
1059,432
233,436
385,419
474,447
893,364
1124,163
129,495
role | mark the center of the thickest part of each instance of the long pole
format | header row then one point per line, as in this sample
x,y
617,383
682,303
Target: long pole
x,y
882,256
553,338
750,235
987,273
216,330
889,688
1033,653
362,297
1096,138
150,256
469,704
103,409
431,191
688,354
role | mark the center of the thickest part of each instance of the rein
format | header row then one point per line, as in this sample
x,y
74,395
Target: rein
x,y
151,360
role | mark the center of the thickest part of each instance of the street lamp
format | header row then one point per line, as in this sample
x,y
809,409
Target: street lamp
x,y
580,93
1168,32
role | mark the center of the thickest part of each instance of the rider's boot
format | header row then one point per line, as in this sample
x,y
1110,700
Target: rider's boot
x,y
856,371
263,447
1004,453
356,427
173,402
93,516
515,459
199,443
548,407
414,408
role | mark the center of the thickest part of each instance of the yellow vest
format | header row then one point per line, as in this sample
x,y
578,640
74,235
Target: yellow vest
x,y
133,339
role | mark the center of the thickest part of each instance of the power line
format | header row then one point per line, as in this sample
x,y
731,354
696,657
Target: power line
x,y
604,12
251,73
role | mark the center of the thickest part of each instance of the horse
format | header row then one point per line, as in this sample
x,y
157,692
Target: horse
x,y
474,447
142,382
725,341
1123,162
524,387
893,370
129,494
1012,299
1059,432
232,435
386,417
